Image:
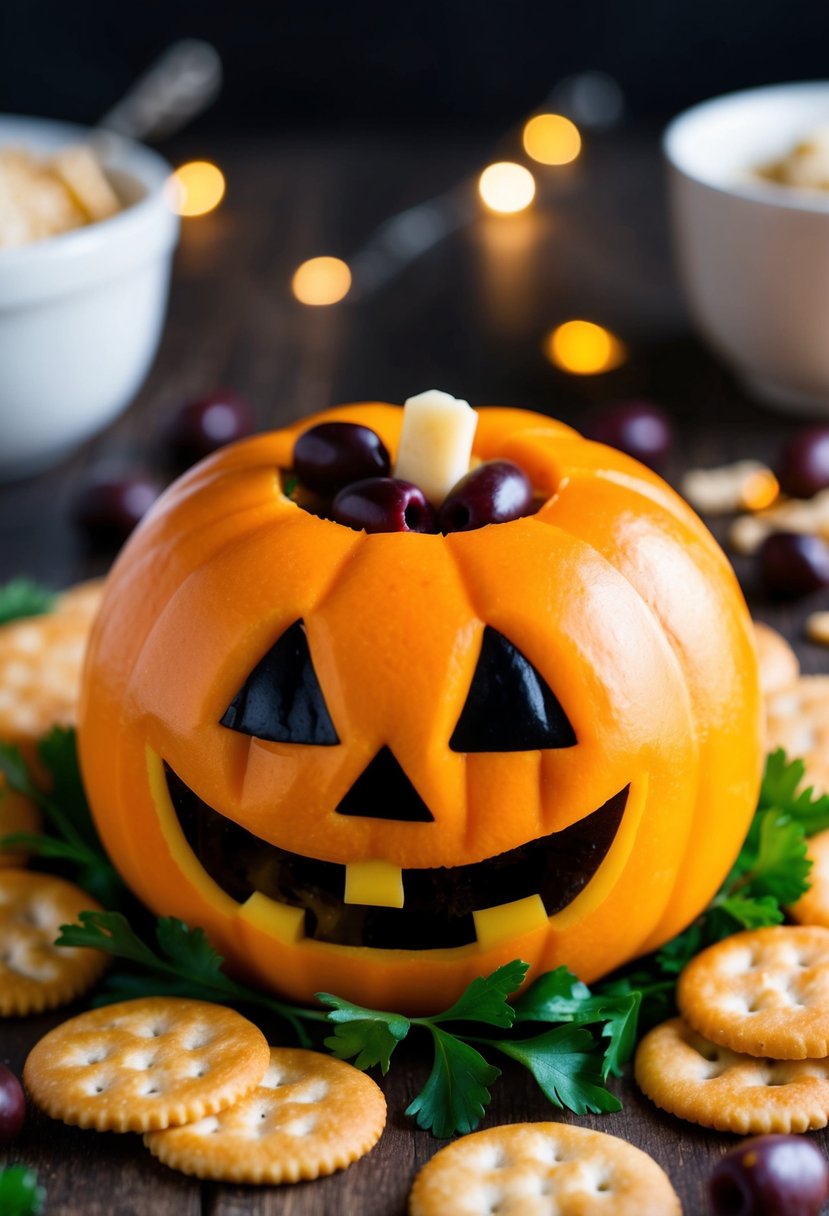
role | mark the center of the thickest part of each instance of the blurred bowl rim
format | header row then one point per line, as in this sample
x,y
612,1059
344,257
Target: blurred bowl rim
x,y
123,155
771,194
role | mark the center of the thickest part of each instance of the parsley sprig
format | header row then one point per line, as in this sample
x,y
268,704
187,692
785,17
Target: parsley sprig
x,y
73,838
20,1194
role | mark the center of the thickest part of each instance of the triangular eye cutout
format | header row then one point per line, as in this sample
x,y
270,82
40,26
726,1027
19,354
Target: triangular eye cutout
x,y
383,791
509,707
281,699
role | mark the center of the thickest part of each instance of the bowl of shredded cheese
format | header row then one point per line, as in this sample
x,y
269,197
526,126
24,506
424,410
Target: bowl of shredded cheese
x,y
87,236
749,189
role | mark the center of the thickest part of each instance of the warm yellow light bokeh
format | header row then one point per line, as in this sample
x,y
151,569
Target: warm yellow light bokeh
x,y
506,187
583,348
197,187
552,139
321,281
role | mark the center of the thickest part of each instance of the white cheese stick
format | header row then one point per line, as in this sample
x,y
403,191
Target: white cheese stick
x,y
435,442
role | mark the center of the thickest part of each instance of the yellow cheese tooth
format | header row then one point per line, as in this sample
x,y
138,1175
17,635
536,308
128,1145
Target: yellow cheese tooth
x,y
493,925
285,923
377,883
435,442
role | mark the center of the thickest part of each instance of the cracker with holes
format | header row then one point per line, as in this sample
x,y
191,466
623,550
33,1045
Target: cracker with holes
x,y
40,668
689,1076
536,1168
797,719
779,665
35,974
141,1065
813,907
764,992
309,1116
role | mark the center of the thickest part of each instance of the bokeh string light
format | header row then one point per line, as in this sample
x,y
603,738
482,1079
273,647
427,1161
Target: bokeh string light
x,y
321,281
196,188
506,187
584,348
551,139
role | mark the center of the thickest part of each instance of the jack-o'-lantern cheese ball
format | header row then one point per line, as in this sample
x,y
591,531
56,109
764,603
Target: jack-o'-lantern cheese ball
x,y
393,696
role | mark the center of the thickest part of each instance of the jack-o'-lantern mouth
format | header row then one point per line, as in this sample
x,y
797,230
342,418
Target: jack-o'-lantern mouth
x,y
438,908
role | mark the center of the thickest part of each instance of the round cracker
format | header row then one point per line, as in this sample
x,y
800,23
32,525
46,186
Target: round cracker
x,y
797,719
151,1063
813,907
689,1076
40,668
17,814
35,974
535,1168
779,665
764,992
84,599
309,1116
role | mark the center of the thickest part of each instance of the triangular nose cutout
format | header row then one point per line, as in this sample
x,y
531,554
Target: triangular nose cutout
x,y
383,791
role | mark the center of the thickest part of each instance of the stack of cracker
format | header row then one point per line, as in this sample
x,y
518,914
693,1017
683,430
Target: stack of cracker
x,y
209,1094
750,1053
45,196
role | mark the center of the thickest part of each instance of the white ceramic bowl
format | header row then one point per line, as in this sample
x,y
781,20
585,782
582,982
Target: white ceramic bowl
x,y
81,313
754,255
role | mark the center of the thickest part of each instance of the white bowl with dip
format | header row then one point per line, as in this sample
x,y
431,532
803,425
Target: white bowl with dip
x,y
81,313
754,254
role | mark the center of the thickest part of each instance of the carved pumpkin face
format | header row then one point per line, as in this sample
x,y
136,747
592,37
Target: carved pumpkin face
x,y
383,764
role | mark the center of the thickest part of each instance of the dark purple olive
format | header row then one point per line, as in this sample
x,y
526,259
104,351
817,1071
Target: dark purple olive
x,y
493,493
108,508
770,1176
793,564
203,426
12,1105
639,428
331,456
384,504
803,468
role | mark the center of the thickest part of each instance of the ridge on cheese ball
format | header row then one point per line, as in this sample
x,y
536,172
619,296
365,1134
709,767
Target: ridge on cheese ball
x,y
381,764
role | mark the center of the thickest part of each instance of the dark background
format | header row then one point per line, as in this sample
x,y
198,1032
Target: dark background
x,y
377,64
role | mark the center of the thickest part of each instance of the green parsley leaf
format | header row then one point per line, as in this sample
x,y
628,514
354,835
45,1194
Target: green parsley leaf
x,y
564,1062
457,1092
750,912
485,999
185,965
23,597
781,782
773,860
74,838
555,996
366,1036
20,1194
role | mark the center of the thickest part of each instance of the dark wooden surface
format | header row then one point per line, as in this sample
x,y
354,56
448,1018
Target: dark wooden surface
x,y
469,318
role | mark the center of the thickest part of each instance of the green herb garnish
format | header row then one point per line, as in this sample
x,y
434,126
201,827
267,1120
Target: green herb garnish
x,y
20,1194
23,597
73,838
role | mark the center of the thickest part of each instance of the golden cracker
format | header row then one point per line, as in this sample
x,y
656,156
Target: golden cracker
x,y
691,1077
797,719
779,665
151,1063
309,1116
17,814
813,907
35,974
84,599
40,669
539,1168
764,992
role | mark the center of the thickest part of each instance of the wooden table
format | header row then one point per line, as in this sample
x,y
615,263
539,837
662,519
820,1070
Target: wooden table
x,y
468,317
